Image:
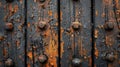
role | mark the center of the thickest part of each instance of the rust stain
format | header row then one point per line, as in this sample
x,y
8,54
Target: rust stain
x,y
18,43
90,61
96,53
96,33
61,14
5,52
28,24
50,12
62,48
96,12
28,65
30,55
109,41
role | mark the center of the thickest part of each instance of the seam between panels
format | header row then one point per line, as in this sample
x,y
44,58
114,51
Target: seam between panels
x,y
25,30
93,29
59,31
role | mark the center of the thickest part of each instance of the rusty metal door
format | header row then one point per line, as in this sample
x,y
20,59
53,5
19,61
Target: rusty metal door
x,y
59,33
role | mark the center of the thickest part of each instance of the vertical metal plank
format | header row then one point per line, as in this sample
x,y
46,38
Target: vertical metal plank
x,y
12,47
75,44
106,41
42,39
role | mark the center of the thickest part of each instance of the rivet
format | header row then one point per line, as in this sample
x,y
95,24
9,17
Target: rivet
x,y
9,62
109,56
9,26
42,25
43,59
76,62
76,25
109,26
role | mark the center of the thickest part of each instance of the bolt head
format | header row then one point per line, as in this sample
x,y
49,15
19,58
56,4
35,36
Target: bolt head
x,y
110,57
9,62
76,62
109,26
43,59
76,25
42,25
9,1
9,26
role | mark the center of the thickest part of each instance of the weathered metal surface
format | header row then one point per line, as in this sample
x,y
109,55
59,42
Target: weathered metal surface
x,y
42,33
75,33
12,33
107,33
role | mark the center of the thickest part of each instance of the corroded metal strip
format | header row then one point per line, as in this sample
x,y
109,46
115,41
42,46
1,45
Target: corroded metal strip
x,y
75,33
106,31
11,26
42,47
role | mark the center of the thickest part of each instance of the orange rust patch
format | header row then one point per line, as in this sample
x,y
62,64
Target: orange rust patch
x,y
30,55
62,48
61,14
96,53
96,33
28,24
90,61
50,12
28,65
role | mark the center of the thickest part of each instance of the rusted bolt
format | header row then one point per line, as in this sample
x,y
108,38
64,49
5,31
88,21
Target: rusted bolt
x,y
42,25
9,62
76,62
1,37
9,0
76,25
9,26
43,59
42,1
109,26
110,57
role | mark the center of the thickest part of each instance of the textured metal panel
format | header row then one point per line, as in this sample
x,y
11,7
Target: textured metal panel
x,y
12,32
75,43
107,36
42,33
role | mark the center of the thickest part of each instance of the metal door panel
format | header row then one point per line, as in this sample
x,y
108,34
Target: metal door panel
x,y
42,33
12,33
75,44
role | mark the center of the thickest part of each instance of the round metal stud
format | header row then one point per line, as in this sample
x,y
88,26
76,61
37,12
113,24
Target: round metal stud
x,y
110,57
9,26
76,25
109,26
43,59
9,1
76,62
9,63
42,25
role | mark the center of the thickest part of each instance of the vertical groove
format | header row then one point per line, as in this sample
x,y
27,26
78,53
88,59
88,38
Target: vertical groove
x,y
25,30
93,29
59,31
